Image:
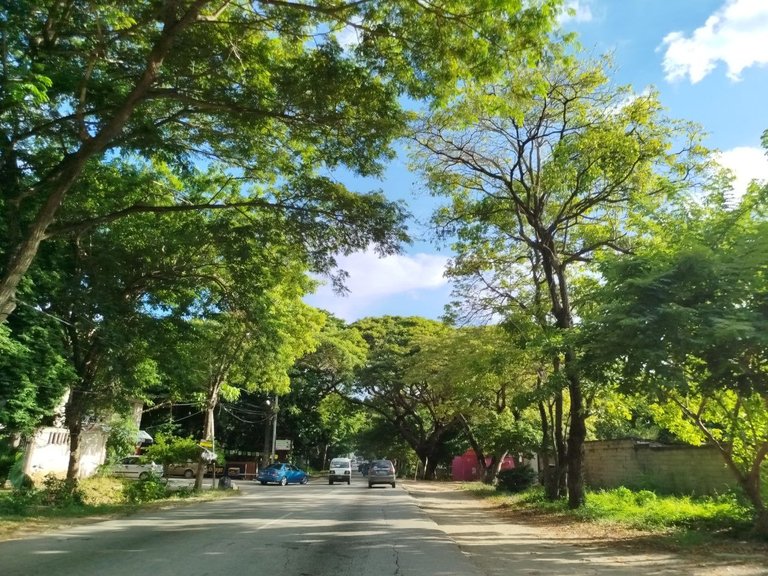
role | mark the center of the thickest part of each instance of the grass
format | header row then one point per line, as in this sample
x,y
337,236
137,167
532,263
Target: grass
x,y
685,519
100,498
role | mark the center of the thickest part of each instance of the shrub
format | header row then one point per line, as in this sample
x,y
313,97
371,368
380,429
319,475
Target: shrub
x,y
152,488
516,479
17,503
60,493
19,480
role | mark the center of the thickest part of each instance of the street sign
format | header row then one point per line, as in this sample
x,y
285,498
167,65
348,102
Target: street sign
x,y
283,444
205,444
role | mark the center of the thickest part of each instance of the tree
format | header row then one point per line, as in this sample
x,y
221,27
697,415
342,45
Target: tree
x,y
487,380
424,415
314,422
684,322
265,88
125,293
549,166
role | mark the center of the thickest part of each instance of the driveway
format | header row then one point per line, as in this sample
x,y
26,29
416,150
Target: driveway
x,y
503,546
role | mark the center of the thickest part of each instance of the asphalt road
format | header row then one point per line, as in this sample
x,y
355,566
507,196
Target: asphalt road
x,y
310,530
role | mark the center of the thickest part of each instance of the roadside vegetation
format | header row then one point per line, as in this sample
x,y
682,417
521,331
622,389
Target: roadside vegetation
x,y
57,502
683,520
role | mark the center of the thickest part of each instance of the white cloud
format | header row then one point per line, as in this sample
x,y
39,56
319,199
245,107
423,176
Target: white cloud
x,y
747,164
577,11
373,281
349,36
735,34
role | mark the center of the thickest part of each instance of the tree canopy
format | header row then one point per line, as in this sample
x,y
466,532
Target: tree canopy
x,y
270,89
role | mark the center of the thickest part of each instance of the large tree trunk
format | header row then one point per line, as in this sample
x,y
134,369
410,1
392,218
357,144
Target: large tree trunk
x,y
74,415
493,469
208,434
73,467
557,284
430,465
576,436
549,475
750,482
562,453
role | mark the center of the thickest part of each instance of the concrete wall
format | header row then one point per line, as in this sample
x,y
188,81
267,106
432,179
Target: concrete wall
x,y
48,452
664,468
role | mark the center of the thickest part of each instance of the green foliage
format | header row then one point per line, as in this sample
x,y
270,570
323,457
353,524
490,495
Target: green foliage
x,y
516,479
146,490
62,493
424,412
17,503
121,440
34,373
168,449
291,104
8,456
683,322
19,480
641,509
645,509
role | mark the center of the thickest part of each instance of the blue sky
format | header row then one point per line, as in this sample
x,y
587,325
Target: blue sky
x,y
707,58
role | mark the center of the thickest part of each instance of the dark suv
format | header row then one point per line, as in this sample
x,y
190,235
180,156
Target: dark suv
x,y
381,472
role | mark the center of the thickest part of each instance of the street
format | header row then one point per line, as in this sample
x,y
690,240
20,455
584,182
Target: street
x,y
310,530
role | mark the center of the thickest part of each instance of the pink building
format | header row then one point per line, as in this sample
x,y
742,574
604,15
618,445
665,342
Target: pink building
x,y
467,468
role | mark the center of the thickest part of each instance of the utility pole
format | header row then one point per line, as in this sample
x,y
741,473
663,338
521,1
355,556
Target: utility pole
x,y
274,429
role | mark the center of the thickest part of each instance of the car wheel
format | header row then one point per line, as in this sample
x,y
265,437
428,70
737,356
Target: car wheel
x,y
304,480
283,481
330,482
143,475
263,483
188,473
393,484
349,481
370,485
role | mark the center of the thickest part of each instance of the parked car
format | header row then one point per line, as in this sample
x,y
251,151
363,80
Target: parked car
x,y
340,471
381,472
134,467
281,473
189,469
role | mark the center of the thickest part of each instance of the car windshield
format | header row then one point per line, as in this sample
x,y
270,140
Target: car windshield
x,y
339,464
274,467
382,464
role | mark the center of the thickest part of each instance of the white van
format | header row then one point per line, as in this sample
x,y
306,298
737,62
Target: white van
x,y
340,471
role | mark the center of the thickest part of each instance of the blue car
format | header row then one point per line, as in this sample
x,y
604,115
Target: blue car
x,y
279,473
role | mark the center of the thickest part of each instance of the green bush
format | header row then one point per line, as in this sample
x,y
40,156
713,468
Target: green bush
x,y
152,488
168,449
516,479
60,493
17,503
19,480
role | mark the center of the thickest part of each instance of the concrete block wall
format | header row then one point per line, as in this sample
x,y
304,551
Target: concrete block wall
x,y
664,468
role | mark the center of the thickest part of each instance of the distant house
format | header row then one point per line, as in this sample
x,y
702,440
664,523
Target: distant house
x,y
467,468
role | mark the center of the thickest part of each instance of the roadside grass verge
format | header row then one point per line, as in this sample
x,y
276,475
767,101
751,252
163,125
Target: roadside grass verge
x,y
95,498
685,520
